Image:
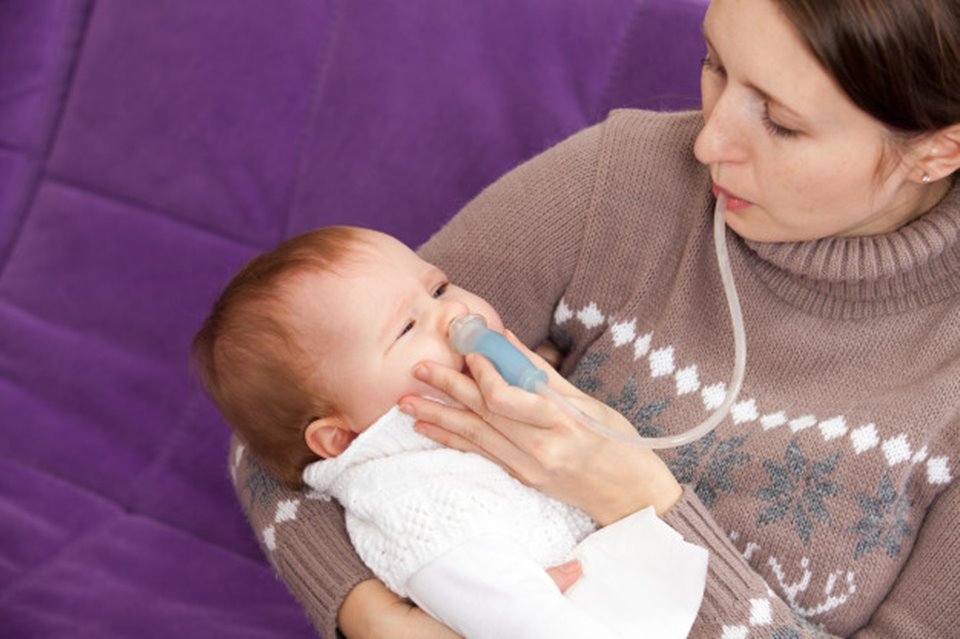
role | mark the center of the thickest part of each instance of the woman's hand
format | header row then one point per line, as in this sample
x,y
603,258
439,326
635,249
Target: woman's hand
x,y
370,610
539,444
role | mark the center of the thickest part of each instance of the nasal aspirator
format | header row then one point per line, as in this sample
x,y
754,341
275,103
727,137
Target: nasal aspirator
x,y
469,334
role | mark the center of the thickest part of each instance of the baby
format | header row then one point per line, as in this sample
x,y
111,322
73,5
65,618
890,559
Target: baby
x,y
306,353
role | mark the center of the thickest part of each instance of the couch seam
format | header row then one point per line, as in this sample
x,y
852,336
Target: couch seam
x,y
143,207
14,149
164,452
29,576
604,104
66,74
325,54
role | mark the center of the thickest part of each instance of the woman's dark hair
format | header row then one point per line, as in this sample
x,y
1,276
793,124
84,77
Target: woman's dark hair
x,y
898,60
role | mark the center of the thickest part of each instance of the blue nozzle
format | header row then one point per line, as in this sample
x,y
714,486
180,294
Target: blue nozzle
x,y
469,334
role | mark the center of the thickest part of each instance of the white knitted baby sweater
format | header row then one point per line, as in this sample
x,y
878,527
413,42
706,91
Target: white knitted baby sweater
x,y
409,500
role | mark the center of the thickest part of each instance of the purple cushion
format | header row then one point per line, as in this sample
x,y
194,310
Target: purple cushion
x,y
147,149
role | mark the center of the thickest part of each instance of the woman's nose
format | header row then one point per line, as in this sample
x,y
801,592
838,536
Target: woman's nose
x,y
721,140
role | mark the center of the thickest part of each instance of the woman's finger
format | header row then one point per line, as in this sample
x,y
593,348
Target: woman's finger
x,y
583,402
483,426
503,400
540,426
554,378
452,384
460,429
465,431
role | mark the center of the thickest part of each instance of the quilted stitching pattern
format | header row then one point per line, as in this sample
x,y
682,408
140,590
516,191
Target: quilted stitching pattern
x,y
147,149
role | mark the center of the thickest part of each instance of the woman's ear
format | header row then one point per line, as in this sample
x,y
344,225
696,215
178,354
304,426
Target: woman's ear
x,y
328,436
943,155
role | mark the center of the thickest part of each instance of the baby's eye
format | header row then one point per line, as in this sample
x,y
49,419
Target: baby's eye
x,y
406,329
709,64
441,289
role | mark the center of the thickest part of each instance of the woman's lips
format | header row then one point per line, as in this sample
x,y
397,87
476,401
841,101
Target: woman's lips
x,y
734,203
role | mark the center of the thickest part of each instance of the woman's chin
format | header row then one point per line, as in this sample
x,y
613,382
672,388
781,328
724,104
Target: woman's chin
x,y
751,232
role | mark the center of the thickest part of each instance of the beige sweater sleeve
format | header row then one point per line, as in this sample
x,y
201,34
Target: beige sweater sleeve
x,y
304,539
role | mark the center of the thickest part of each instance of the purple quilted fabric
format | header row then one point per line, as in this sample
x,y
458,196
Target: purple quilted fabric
x,y
147,149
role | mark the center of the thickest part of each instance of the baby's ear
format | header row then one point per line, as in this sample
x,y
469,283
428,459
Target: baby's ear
x,y
328,436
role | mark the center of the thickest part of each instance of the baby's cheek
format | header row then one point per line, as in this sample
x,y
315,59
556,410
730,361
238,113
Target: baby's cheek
x,y
438,349
493,318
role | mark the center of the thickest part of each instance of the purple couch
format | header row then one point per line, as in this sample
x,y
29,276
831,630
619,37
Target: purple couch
x,y
147,149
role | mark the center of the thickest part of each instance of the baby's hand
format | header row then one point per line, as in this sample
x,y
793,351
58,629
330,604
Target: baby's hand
x,y
550,353
565,575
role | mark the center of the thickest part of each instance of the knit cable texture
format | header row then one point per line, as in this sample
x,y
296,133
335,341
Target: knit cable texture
x,y
409,500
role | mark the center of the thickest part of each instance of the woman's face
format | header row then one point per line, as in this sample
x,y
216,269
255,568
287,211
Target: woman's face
x,y
797,159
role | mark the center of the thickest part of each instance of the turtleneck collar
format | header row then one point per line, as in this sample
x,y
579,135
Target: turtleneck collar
x,y
857,277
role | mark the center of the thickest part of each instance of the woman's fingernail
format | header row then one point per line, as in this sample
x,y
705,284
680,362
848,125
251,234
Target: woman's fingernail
x,y
420,372
406,408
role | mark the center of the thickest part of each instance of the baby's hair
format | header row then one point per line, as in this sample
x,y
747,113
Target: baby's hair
x,y
251,362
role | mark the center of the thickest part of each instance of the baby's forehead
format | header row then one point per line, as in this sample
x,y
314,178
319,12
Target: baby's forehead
x,y
370,256
364,252
312,303
377,251
369,240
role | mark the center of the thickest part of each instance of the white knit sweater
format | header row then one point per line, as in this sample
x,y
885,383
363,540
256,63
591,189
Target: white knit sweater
x,y
409,500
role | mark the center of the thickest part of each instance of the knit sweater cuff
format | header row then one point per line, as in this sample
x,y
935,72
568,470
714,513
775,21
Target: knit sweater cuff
x,y
729,577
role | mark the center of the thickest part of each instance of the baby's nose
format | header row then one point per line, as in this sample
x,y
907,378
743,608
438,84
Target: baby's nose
x,y
449,311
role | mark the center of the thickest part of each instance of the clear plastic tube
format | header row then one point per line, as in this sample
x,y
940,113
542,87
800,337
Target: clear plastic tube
x,y
470,334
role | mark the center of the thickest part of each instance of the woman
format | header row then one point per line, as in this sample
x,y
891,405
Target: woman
x,y
827,498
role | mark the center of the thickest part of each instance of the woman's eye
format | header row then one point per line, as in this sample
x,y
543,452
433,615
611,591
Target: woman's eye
x,y
441,289
406,329
774,128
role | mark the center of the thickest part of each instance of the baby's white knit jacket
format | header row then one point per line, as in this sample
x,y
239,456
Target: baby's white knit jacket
x,y
408,500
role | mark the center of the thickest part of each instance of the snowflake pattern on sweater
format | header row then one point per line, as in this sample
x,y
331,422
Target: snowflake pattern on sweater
x,y
799,489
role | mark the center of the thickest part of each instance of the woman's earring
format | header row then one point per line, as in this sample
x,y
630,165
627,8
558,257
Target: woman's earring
x,y
926,179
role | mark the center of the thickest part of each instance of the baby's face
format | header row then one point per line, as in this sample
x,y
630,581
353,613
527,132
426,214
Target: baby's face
x,y
374,320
